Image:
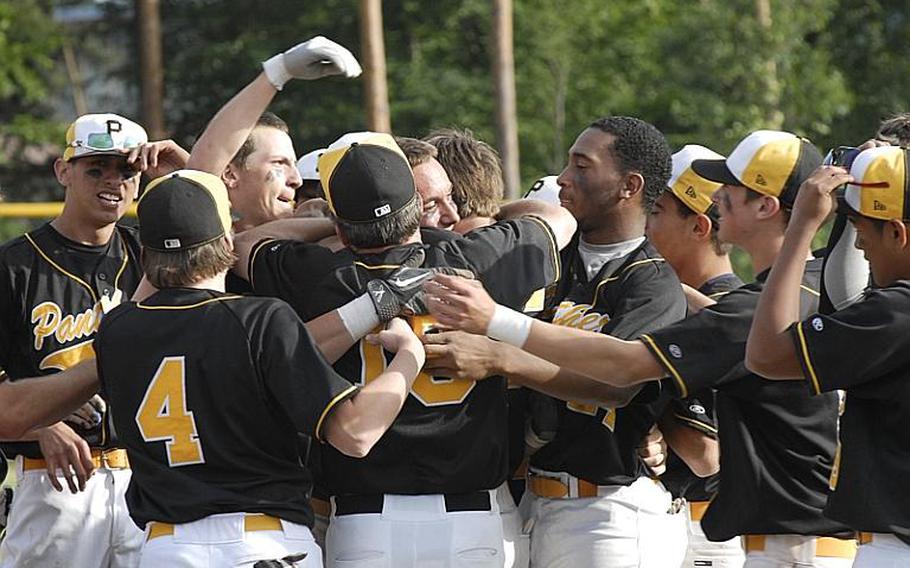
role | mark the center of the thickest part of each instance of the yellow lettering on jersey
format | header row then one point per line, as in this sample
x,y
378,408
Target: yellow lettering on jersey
x,y
609,419
48,320
579,316
430,391
163,415
70,356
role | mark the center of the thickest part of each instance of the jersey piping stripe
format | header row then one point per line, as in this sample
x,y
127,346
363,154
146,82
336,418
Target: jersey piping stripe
x,y
554,248
717,295
252,261
696,424
142,306
377,266
85,284
810,290
338,398
804,351
683,389
622,274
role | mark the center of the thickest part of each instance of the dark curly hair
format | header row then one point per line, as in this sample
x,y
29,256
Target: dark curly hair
x,y
639,147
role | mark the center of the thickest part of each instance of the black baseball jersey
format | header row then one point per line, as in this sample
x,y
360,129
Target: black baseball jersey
x,y
697,412
864,349
53,293
209,391
451,436
629,295
776,442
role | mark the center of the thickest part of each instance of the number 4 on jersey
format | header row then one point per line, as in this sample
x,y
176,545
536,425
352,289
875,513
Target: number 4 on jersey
x,y
163,415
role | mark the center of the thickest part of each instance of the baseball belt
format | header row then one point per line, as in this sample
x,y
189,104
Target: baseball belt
x,y
697,509
825,546
251,523
110,459
372,504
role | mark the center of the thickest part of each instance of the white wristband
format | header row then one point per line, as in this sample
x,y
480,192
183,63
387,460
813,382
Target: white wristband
x,y
276,71
509,326
359,316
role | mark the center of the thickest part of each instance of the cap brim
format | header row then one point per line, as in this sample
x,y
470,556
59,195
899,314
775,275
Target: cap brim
x,y
89,154
716,171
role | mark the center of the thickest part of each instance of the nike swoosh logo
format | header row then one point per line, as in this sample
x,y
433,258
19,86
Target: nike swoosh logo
x,y
405,282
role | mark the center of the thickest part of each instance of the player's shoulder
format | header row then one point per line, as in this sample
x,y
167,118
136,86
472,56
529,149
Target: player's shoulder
x,y
645,263
21,249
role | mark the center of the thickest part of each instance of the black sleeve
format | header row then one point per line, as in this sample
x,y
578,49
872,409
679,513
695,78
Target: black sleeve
x,y
7,317
650,298
513,258
707,348
858,344
284,269
696,412
295,372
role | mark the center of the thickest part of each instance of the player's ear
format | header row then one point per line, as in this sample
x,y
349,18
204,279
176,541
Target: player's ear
x,y
896,232
702,226
62,171
634,183
342,236
229,177
768,207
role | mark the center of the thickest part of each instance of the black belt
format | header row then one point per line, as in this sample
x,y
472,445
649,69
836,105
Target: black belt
x,y
372,504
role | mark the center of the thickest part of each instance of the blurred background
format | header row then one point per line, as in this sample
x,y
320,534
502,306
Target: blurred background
x,y
703,71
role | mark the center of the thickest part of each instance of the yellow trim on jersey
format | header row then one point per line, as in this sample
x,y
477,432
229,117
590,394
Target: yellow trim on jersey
x,y
717,295
126,256
252,260
377,266
554,250
188,306
325,412
61,269
810,290
697,424
804,351
622,274
683,389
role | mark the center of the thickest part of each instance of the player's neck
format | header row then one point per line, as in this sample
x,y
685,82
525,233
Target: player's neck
x,y
615,229
214,283
414,238
81,232
703,267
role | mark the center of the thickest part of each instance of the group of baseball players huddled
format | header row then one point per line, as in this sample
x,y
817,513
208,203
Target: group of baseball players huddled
x,y
364,358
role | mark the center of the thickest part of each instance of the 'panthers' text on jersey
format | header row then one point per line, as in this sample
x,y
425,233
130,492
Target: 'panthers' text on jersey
x,y
53,292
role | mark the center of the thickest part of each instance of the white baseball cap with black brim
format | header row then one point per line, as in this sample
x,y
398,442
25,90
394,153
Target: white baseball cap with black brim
x,y
769,162
102,135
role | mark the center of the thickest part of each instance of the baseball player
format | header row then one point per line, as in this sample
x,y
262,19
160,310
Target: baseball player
x,y
869,479
219,385
432,476
591,499
57,282
778,444
683,227
433,184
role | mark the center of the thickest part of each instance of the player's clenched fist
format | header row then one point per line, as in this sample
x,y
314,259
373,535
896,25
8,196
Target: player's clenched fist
x,y
399,337
309,60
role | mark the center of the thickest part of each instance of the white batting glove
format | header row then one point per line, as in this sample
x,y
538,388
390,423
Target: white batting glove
x,y
312,59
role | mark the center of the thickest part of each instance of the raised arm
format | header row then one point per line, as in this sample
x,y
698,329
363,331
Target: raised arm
x,y
231,125
307,229
770,351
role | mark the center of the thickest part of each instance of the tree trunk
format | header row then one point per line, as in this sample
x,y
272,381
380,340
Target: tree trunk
x,y
376,91
772,88
504,78
151,72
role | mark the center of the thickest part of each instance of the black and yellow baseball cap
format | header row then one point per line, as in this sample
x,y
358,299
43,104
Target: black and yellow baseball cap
x,y
366,180
769,162
183,210
884,192
693,190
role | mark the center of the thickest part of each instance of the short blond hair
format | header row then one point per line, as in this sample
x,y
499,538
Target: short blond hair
x,y
474,168
173,269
